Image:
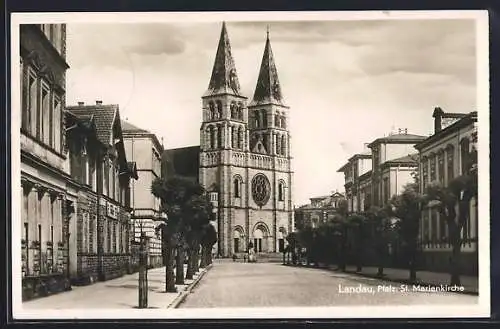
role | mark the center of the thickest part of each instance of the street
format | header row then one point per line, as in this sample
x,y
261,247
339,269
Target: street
x,y
237,284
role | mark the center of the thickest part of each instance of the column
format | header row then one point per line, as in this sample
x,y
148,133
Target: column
x,y
32,226
246,140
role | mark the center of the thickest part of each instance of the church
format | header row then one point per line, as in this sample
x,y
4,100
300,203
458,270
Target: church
x,y
244,156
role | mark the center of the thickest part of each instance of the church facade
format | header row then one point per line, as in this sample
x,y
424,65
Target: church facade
x,y
245,158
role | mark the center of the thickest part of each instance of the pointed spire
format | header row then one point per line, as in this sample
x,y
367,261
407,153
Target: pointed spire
x,y
224,79
268,89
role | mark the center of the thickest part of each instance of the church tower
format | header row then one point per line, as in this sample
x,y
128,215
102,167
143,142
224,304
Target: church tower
x,y
269,135
245,157
224,128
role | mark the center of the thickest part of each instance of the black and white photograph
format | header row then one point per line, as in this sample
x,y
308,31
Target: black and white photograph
x,y
219,165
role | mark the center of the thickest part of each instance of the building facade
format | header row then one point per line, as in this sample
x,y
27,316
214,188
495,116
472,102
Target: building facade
x,y
357,166
100,247
444,156
47,192
143,148
245,156
374,176
319,210
394,160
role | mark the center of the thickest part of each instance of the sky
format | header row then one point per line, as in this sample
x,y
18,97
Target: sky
x,y
346,82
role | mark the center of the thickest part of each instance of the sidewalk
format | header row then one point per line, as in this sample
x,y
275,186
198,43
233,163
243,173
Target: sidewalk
x,y
470,283
119,293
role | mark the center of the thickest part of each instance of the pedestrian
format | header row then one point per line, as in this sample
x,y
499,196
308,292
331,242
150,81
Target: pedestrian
x,y
244,258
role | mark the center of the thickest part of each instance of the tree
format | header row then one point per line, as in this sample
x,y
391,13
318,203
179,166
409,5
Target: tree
x,y
208,239
200,209
176,195
356,225
381,230
453,204
407,208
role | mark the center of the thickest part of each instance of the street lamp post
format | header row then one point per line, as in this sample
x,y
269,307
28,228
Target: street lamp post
x,y
143,271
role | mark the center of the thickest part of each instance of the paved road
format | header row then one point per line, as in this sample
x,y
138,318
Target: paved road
x,y
230,284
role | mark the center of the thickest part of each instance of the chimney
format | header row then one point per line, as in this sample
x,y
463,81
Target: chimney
x,y
98,102
438,116
81,103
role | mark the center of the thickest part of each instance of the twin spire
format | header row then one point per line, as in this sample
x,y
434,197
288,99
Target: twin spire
x,y
224,79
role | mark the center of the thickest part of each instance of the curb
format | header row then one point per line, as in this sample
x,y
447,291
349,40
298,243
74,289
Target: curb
x,y
386,278
389,279
183,294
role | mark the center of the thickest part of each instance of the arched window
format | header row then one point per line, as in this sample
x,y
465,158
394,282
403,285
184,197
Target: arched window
x,y
281,191
277,121
283,145
240,111
219,137
234,136
264,118
233,110
283,122
278,144
211,110
257,119
219,109
212,137
237,187
240,138
464,156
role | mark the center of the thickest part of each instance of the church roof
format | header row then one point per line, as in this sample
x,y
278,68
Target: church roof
x,y
224,79
184,161
268,89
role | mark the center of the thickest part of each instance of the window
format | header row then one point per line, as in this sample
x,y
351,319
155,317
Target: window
x,y
283,122
277,121
106,178
264,118
464,154
233,111
441,166
43,115
240,138
281,192
283,145
219,110
211,111
433,167
237,191
425,172
278,144
57,123
219,137
32,103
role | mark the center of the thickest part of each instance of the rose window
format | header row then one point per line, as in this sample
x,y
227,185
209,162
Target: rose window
x,y
261,189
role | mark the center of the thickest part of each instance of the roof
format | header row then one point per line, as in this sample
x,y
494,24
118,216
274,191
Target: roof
x,y
399,138
224,79
128,127
183,161
463,122
268,89
409,159
363,155
103,116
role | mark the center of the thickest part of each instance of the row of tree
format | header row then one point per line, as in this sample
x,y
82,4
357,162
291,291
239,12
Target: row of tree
x,y
186,230
361,238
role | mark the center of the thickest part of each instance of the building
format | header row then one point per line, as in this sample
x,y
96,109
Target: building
x,y
319,210
357,166
47,192
100,243
445,155
245,158
143,148
374,176
393,163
